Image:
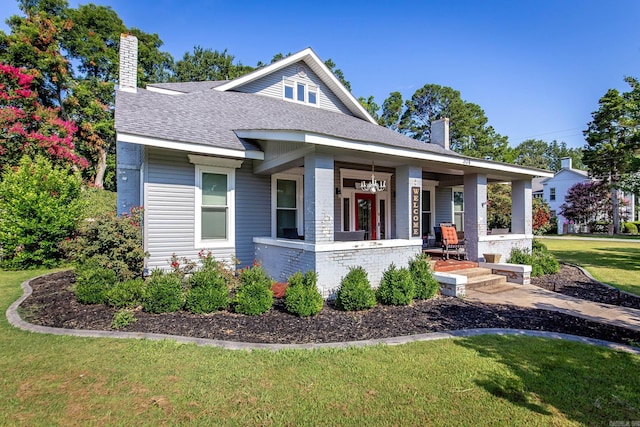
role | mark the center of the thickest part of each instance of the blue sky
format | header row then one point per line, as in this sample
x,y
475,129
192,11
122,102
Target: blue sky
x,y
537,68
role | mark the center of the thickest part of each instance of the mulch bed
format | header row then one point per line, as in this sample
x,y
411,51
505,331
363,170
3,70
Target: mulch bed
x,y
53,304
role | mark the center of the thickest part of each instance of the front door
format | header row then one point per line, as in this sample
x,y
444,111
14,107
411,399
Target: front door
x,y
366,214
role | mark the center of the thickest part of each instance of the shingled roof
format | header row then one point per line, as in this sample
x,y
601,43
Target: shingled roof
x,y
209,117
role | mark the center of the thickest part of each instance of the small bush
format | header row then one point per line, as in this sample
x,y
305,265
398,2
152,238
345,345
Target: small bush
x,y
122,319
355,291
254,296
93,284
630,227
208,292
302,297
426,285
111,241
98,202
540,259
396,287
127,294
163,293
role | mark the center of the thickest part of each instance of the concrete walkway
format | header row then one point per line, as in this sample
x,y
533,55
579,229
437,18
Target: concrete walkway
x,y
531,296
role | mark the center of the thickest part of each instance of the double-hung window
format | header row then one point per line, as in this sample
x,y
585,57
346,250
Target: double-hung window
x,y
458,209
215,210
287,200
552,194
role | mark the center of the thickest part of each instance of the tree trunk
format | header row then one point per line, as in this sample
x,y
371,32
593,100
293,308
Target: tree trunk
x,y
616,209
101,168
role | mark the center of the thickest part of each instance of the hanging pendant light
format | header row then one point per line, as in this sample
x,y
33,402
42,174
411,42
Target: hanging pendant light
x,y
372,186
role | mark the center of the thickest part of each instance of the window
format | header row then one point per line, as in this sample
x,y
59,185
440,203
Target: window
x,y
426,212
288,89
287,203
458,210
215,213
300,92
552,194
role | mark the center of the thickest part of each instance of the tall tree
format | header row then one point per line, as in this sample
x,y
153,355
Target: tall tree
x,y
34,43
613,139
469,133
338,73
206,65
370,105
392,108
537,153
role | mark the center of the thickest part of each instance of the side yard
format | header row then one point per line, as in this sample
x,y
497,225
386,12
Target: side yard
x,y
481,381
612,262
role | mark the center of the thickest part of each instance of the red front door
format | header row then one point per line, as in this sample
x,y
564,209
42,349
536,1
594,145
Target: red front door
x,y
366,215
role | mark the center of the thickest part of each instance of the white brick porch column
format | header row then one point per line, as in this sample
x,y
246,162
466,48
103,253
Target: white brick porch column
x,y
408,178
475,211
521,207
318,198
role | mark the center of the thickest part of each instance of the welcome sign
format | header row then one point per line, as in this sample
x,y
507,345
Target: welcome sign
x,y
415,211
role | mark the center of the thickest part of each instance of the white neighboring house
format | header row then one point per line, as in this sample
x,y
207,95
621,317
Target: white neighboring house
x,y
555,190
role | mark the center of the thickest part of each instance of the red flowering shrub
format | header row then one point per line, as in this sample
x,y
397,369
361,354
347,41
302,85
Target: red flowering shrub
x,y
28,128
541,217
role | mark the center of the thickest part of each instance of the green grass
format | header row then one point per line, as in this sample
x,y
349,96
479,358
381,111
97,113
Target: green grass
x,y
614,263
489,380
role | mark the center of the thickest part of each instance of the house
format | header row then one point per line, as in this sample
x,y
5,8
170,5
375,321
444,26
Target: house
x,y
284,166
556,188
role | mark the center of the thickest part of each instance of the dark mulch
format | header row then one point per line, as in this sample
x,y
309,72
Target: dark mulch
x,y
53,304
572,282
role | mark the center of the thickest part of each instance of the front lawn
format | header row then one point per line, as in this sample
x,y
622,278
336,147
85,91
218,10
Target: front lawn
x,y
486,380
614,263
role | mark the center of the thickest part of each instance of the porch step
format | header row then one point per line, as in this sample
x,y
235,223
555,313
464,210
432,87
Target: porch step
x,y
486,281
473,271
451,266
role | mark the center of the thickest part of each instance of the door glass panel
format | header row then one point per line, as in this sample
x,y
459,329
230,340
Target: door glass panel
x,y
364,217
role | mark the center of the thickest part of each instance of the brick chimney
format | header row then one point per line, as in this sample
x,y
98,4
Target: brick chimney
x,y
565,163
440,132
128,63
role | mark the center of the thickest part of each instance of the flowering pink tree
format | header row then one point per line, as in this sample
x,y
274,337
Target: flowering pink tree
x,y
28,128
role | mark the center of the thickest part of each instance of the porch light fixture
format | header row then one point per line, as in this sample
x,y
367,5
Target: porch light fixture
x,y
373,186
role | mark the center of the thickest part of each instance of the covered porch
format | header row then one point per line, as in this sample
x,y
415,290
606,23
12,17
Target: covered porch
x,y
325,219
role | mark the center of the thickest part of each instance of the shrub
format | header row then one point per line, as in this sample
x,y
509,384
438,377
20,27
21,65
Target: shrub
x,y
127,294
355,291
254,296
208,292
97,202
630,227
111,241
396,287
540,259
93,284
163,293
39,207
426,285
122,319
302,297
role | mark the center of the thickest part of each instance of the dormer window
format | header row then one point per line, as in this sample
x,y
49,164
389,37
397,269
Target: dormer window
x,y
300,91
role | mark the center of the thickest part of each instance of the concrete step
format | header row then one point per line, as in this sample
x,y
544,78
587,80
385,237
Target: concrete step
x,y
472,272
495,289
451,266
484,281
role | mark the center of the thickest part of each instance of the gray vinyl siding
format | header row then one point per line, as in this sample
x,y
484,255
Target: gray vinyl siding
x,y
253,211
444,207
271,85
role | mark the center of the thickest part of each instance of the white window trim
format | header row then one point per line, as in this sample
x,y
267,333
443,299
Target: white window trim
x,y
230,241
292,82
460,227
350,192
299,201
429,185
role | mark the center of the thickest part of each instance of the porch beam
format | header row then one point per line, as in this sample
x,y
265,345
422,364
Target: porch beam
x,y
283,162
408,179
521,207
475,211
318,197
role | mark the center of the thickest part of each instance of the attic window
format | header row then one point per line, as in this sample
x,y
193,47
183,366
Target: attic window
x,y
300,91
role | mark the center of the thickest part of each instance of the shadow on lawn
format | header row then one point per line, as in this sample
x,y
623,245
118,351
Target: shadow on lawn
x,y
593,386
621,258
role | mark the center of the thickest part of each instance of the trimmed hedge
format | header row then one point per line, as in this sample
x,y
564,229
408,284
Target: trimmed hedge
x,y
355,292
302,296
426,285
396,287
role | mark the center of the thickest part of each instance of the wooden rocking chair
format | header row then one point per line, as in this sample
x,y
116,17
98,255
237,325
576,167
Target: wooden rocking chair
x,y
450,242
